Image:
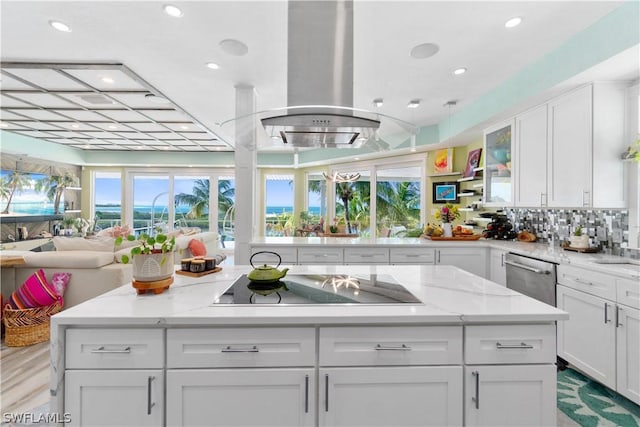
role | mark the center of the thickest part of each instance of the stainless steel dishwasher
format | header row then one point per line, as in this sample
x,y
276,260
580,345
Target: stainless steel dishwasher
x,y
532,277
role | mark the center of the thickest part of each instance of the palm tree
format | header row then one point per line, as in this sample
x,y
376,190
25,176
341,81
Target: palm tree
x,y
16,181
398,202
198,200
54,186
357,191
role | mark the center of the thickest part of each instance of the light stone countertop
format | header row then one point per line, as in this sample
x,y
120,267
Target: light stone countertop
x,y
594,261
449,295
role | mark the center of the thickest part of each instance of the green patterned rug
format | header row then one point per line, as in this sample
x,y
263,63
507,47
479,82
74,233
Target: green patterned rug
x,y
591,404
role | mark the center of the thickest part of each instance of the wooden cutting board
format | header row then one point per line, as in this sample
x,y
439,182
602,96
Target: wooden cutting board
x,y
458,237
200,274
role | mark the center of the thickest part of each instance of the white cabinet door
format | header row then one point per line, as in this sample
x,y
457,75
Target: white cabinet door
x,y
473,260
241,397
398,396
498,180
510,395
588,339
628,363
569,149
320,255
530,166
497,267
114,397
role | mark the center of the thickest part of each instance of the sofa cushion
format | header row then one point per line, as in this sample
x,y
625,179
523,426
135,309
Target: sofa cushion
x,y
36,291
60,282
197,248
68,259
104,244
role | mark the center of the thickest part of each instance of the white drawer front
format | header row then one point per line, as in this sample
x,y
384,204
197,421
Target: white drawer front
x,y
368,255
391,345
591,282
412,256
510,344
628,292
329,255
288,255
240,347
114,348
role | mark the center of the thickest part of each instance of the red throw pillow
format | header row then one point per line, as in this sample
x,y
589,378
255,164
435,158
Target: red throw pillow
x,y
36,291
197,248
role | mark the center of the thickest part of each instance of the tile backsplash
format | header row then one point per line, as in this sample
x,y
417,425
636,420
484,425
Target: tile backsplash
x,y
608,229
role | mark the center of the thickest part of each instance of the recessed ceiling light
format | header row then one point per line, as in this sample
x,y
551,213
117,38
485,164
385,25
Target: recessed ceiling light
x,y
172,10
234,47
424,50
356,158
513,22
414,103
213,65
378,102
60,26
4,125
459,71
139,147
112,127
86,146
75,125
107,80
184,127
156,99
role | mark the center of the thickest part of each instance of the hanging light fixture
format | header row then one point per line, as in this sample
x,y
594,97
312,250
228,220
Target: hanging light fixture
x,y
342,176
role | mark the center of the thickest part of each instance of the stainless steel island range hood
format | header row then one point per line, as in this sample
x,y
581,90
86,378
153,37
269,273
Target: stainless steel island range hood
x,y
320,80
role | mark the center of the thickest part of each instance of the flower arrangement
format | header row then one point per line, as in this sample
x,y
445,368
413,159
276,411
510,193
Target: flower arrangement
x,y
448,213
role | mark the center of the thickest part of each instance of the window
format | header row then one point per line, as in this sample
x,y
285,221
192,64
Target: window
x,y
398,201
279,220
226,210
191,201
316,197
353,205
107,205
151,208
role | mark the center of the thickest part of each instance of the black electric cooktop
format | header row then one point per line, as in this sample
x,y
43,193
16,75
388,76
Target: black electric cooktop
x,y
336,289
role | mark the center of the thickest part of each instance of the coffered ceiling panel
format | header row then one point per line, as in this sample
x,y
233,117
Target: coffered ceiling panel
x,y
95,107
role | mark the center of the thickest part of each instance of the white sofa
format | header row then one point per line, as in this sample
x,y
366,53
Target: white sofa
x,y
95,264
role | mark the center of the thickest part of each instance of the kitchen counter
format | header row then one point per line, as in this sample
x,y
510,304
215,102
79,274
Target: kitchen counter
x,y
142,355
595,261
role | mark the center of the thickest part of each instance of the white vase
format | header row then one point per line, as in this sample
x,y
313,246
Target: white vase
x,y
579,241
447,231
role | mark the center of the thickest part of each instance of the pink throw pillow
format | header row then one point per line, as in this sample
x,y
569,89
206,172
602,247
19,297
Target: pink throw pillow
x,y
60,282
36,291
197,248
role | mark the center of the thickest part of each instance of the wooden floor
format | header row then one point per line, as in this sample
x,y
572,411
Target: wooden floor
x,y
24,377
24,380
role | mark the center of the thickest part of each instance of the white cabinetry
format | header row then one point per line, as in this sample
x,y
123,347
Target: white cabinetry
x,y
386,365
506,366
498,184
114,377
602,335
497,267
391,396
586,137
530,162
412,256
366,255
473,260
241,397
320,255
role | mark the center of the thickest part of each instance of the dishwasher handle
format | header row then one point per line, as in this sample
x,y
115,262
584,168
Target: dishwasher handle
x,y
526,267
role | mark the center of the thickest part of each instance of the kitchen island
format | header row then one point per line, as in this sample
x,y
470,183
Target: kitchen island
x,y
471,353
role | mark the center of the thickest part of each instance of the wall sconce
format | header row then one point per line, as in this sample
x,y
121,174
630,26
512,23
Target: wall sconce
x,y
342,176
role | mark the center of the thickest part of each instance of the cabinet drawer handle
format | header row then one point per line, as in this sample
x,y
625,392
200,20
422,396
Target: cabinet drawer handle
x,y
149,403
606,313
306,394
510,346
526,267
476,398
229,349
584,282
101,349
403,347
618,322
366,255
326,393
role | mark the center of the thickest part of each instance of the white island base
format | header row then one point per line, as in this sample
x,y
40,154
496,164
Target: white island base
x,y
474,353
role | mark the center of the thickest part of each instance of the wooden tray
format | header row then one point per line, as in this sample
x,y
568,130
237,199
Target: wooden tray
x,y
200,274
458,237
583,250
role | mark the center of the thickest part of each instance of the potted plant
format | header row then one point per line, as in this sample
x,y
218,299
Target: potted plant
x,y
152,259
69,224
578,239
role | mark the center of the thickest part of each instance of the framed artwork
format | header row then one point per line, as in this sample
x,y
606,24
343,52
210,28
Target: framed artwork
x,y
473,161
443,161
446,192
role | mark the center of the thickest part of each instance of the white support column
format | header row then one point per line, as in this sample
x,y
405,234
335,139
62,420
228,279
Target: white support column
x,y
246,164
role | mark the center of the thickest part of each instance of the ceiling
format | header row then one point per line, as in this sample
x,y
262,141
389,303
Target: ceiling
x,y
150,52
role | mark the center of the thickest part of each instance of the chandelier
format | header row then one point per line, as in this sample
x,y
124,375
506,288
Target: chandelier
x,y
342,176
